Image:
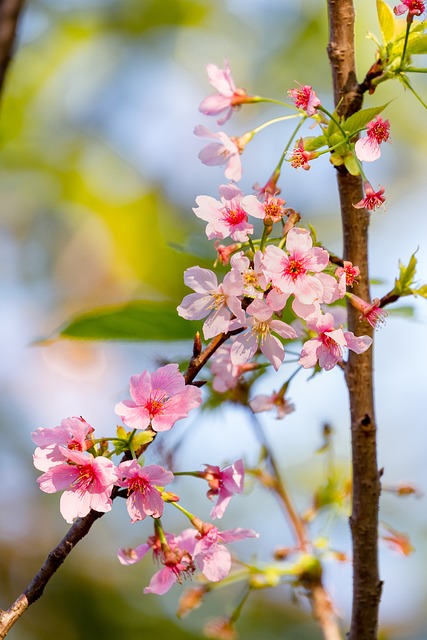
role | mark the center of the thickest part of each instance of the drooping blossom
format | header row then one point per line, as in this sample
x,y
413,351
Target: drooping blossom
x,y
305,98
327,348
175,556
87,482
368,148
369,310
216,301
144,499
300,156
223,483
73,433
224,253
413,7
227,98
228,216
221,629
276,401
259,334
254,280
224,151
290,272
372,199
211,556
159,399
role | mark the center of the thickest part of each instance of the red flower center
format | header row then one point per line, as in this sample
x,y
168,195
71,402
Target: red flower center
x,y
235,215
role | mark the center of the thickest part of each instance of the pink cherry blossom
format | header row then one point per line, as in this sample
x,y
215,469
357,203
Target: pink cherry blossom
x,y
227,98
347,274
413,7
305,99
228,216
224,151
159,399
270,209
368,148
300,157
275,401
224,483
372,199
290,271
254,280
176,556
328,347
212,557
87,481
73,433
226,374
224,253
144,499
371,311
260,325
217,301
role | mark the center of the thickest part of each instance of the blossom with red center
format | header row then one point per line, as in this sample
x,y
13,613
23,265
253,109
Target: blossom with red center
x,y
371,311
219,302
290,270
372,199
347,273
327,348
413,7
305,99
159,399
271,209
144,498
275,401
228,97
229,216
368,148
259,334
223,483
73,433
87,481
300,156
175,555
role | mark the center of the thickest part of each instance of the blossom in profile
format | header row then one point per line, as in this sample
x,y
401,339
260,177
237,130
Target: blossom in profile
x,y
328,347
144,498
347,275
259,334
227,97
372,200
158,399
368,148
223,483
305,98
276,401
175,556
73,433
223,151
413,7
292,272
227,217
219,302
87,483
212,556
369,310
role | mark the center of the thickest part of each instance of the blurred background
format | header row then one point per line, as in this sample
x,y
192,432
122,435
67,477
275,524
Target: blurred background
x,y
99,173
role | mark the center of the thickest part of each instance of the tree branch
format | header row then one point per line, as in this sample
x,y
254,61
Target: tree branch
x,y
359,371
9,14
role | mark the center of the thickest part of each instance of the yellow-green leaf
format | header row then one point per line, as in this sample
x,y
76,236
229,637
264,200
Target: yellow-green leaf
x,y
386,20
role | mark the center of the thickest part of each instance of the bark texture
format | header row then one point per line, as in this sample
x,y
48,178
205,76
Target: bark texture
x,y
359,371
9,14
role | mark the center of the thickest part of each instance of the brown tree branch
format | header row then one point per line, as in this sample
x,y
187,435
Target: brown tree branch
x,y
359,370
9,14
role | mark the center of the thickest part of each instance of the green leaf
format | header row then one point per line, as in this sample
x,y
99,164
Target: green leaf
x,y
386,20
314,143
420,291
360,119
351,164
417,44
121,433
139,320
406,275
142,438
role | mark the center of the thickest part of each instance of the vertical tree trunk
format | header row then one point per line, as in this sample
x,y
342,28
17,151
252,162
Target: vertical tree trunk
x,y
9,14
359,372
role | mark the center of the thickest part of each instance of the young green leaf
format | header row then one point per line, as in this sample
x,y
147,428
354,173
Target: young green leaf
x,y
386,20
360,119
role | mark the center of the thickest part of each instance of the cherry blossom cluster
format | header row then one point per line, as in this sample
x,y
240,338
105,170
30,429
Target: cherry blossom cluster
x,y
81,466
